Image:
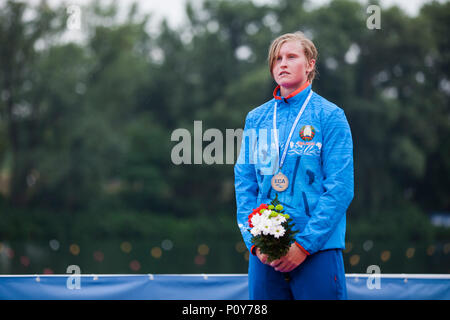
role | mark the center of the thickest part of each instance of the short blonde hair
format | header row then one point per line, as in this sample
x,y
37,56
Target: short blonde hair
x,y
308,46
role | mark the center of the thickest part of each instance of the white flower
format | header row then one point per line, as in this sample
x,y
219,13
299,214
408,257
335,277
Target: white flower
x,y
256,220
278,232
255,231
266,226
278,220
266,213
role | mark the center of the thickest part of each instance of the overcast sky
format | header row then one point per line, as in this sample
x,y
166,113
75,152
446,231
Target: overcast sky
x,y
173,10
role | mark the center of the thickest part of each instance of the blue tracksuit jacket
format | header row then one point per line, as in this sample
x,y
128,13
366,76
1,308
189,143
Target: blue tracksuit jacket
x,y
319,166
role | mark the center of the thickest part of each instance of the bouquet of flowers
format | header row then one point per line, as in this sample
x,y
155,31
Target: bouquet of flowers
x,y
271,229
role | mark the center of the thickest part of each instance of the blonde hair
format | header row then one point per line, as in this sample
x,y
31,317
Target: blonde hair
x,y
308,46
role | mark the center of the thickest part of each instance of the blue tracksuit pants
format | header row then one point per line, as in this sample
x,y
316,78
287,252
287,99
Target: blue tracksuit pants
x,y
320,277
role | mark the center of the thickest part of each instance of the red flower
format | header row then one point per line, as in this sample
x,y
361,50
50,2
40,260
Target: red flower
x,y
256,211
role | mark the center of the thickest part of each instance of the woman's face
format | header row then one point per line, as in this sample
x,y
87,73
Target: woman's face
x,y
291,67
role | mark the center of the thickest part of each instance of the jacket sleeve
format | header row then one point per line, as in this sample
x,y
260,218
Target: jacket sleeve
x,y
338,185
246,186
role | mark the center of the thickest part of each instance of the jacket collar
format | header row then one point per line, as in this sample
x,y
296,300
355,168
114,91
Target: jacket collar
x,y
296,96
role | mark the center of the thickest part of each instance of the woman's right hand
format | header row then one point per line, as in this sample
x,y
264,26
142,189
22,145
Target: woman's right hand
x,y
261,256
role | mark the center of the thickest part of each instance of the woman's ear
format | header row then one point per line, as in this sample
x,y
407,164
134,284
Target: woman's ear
x,y
311,64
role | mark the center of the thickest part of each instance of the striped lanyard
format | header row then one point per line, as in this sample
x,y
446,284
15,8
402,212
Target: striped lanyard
x,y
290,133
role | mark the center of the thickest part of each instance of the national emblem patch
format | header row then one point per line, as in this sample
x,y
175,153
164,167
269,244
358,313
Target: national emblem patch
x,y
307,133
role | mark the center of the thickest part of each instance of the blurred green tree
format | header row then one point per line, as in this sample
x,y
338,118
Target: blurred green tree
x,y
20,40
85,126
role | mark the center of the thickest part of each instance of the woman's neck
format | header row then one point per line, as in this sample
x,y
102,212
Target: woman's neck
x,y
286,91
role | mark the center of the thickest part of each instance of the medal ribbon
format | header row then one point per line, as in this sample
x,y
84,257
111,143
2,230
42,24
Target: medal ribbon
x,y
290,133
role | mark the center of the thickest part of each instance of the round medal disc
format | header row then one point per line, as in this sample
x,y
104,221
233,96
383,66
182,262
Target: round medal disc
x,y
280,182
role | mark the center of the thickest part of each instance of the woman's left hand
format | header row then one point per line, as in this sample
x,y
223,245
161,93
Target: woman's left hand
x,y
290,261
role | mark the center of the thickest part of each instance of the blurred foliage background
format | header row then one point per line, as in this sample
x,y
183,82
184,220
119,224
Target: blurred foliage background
x,y
86,175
